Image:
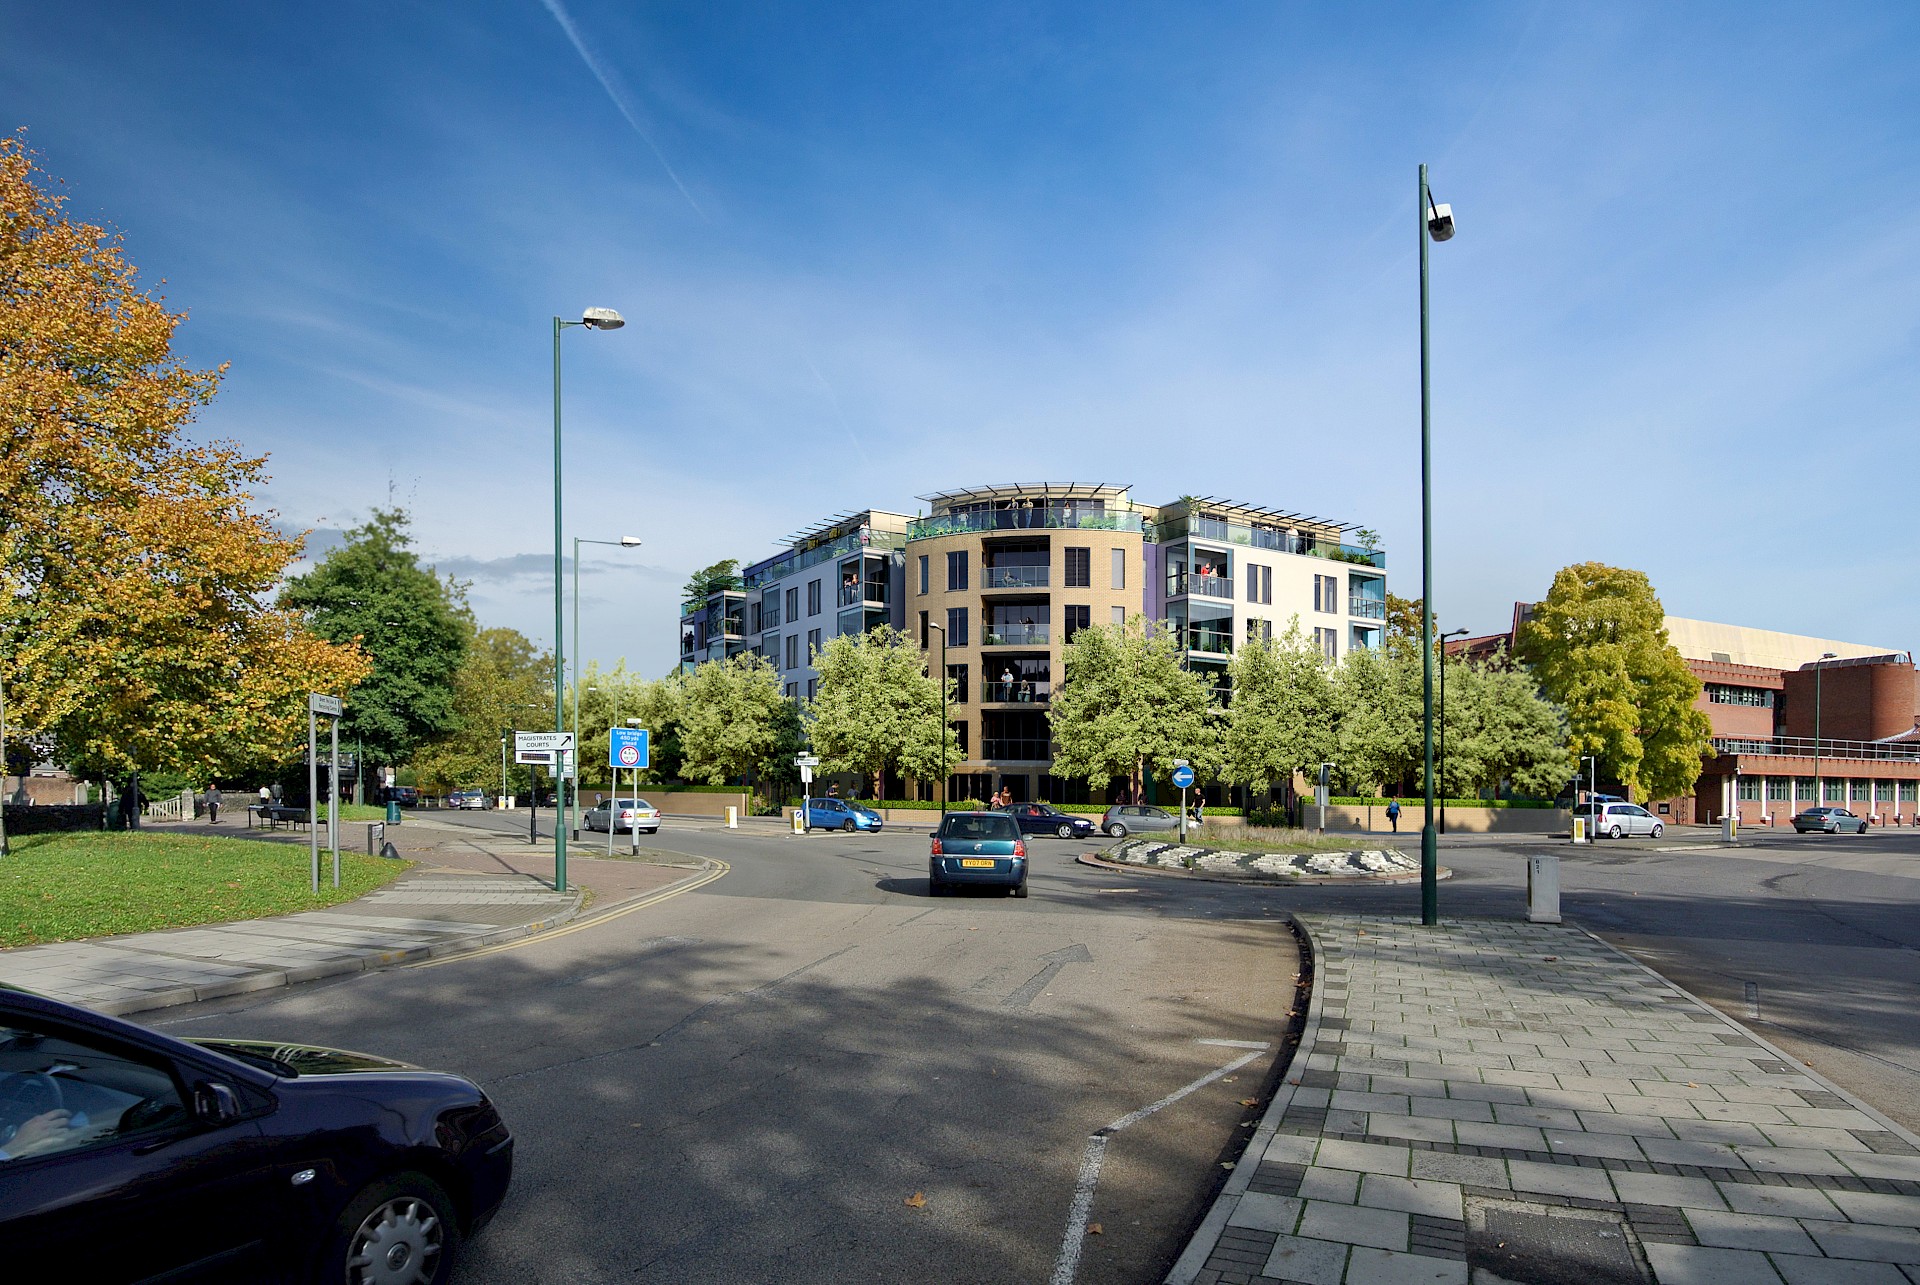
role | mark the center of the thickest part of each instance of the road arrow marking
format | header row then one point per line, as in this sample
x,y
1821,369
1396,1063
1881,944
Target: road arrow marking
x,y
1059,959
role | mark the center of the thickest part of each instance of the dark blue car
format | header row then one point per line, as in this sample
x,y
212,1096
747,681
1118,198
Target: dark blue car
x,y
126,1155
1042,818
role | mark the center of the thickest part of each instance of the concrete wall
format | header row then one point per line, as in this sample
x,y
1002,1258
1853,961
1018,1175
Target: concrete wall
x,y
1459,820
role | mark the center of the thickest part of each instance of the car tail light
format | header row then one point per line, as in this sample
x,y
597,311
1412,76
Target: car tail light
x,y
936,846
1019,847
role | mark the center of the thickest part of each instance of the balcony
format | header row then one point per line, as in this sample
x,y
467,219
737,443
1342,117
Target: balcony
x,y
762,574
1181,584
1210,642
1017,749
1014,577
1017,636
1261,537
1022,691
1802,747
872,593
1367,608
1066,517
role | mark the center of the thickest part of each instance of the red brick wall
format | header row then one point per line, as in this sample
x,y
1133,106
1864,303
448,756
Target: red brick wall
x,y
1857,702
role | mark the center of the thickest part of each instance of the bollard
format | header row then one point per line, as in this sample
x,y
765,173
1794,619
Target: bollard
x,y
1579,829
733,817
1543,889
1729,828
799,822
376,837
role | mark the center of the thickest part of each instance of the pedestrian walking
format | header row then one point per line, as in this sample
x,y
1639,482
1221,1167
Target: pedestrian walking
x,y
212,800
1393,813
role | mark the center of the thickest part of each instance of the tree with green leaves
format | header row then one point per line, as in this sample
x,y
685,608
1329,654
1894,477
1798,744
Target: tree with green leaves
x,y
610,697
732,720
1281,719
1598,646
702,584
1403,624
878,709
1377,693
414,626
1127,698
1499,728
504,682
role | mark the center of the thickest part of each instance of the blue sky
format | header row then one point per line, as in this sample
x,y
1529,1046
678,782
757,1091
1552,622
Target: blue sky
x,y
869,252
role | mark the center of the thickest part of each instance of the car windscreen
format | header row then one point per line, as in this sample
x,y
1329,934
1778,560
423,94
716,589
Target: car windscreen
x,y
979,827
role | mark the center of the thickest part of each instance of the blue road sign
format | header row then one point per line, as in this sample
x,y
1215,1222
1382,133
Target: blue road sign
x,y
1182,777
628,748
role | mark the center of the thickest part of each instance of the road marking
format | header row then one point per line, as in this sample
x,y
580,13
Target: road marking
x,y
720,870
1235,1044
1057,960
1067,1265
1753,1001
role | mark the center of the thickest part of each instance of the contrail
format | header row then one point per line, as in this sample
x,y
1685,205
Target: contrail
x,y
838,410
610,83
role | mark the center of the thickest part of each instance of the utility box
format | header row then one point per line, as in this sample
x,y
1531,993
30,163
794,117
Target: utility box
x,y
1729,828
1543,889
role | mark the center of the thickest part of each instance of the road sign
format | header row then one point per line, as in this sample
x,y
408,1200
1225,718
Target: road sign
x,y
1182,776
806,760
331,706
806,775
543,740
533,756
629,748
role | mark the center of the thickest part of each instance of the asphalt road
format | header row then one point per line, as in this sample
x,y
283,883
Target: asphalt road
x,y
750,1080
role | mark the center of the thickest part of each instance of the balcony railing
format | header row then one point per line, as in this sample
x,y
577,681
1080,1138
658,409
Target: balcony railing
x,y
853,595
1052,516
1020,691
1802,747
770,617
1019,749
1014,577
1259,537
1210,642
762,574
1016,636
1367,608
1181,583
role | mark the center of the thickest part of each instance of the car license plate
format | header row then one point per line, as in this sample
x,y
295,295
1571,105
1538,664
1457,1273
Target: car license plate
x,y
976,863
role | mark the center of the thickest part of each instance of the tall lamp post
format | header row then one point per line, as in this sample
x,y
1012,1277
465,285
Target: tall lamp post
x,y
624,542
943,713
1819,791
1436,221
1451,633
593,319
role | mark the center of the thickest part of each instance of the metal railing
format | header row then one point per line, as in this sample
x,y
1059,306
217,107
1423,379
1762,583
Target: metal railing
x,y
1051,516
1183,583
1367,608
1014,577
1260,537
853,595
177,808
1211,642
762,574
1017,748
1020,690
1802,747
1016,636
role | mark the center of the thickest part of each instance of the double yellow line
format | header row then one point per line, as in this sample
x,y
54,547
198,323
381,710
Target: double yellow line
x,y
718,870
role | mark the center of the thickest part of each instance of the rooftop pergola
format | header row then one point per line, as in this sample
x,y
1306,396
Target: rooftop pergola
x,y
1234,510
1046,492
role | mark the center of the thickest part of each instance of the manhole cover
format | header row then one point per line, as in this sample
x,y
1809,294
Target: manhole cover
x,y
1528,1244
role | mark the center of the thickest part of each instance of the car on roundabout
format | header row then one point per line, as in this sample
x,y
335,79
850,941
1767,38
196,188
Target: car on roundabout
x,y
1620,820
468,800
1043,818
829,813
1123,819
127,1155
977,849
1829,821
622,816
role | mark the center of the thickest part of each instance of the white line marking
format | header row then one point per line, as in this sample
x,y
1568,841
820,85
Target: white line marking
x,y
1235,1044
1068,1263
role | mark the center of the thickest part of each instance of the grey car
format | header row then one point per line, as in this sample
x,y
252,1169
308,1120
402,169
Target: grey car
x,y
1829,821
1617,820
1123,819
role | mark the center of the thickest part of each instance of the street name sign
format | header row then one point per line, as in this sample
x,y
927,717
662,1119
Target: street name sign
x,y
629,748
331,706
806,760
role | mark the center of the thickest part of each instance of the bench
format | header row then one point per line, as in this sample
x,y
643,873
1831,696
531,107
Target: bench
x,y
271,815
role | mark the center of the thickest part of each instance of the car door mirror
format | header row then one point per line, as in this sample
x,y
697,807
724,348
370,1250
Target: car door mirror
x,y
215,1103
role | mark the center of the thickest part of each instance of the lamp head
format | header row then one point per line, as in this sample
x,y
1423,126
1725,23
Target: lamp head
x,y
1439,221
629,541
1827,655
606,318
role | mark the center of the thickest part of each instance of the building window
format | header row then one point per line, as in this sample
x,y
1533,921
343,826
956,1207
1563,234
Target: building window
x,y
1803,789
1910,791
957,675
957,626
813,597
813,688
793,689
1078,618
956,570
1079,568
1259,584
923,631
793,605
1327,640
1119,572
1120,615
793,650
1326,593
813,649
753,615
923,574
1883,791
960,743
770,648
1862,791
1836,791
1259,630
1779,789
1749,789
1729,694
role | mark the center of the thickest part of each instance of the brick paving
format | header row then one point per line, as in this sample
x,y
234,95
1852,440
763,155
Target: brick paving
x,y
1521,1100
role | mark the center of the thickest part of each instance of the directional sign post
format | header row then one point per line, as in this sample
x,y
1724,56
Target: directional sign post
x,y
321,705
806,763
1183,777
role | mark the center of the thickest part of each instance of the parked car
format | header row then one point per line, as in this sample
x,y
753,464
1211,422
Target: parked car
x,y
129,1155
1123,819
473,800
981,848
1614,820
842,814
406,796
1829,821
1042,818
622,815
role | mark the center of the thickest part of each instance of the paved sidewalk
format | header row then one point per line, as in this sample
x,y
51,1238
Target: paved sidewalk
x,y
427,911
1508,1101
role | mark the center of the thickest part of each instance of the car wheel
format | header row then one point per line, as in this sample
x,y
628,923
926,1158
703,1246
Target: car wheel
x,y
1656,832
400,1229
1613,832
1065,831
847,825
935,888
1117,830
1021,890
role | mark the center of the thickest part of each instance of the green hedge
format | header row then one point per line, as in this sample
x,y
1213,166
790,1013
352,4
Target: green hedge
x,y
1413,800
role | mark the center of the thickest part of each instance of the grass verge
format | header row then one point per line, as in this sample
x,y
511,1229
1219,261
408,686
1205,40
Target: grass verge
x,y
63,887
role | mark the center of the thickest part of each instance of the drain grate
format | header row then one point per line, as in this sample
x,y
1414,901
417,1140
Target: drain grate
x,y
1527,1244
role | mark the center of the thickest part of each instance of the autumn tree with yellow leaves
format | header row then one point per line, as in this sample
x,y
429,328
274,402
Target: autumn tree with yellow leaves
x,y
135,628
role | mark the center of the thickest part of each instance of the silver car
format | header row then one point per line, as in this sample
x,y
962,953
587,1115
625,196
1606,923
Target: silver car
x,y
1123,819
622,815
475,800
1620,819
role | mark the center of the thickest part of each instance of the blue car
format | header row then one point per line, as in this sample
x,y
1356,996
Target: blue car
x,y
977,848
841,814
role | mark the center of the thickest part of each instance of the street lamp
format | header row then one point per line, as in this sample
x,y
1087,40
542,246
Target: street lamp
x,y
592,319
624,542
1819,791
943,713
1461,632
1436,221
